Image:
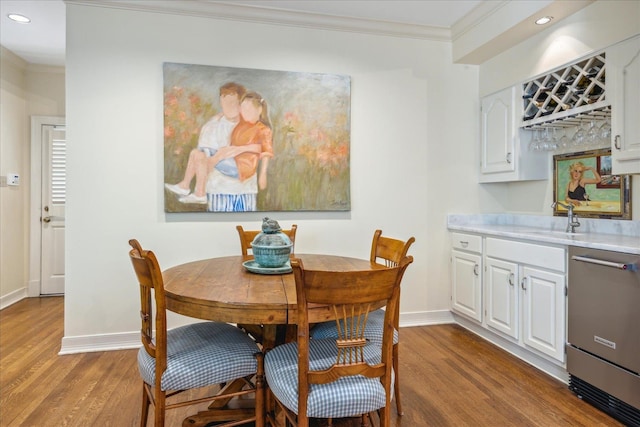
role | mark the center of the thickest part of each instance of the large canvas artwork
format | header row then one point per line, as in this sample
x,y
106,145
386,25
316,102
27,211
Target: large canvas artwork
x,y
241,140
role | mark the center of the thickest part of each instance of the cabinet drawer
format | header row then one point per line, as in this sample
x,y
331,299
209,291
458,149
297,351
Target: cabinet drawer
x,y
549,257
466,242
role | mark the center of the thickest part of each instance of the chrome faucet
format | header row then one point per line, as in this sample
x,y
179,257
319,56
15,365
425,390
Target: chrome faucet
x,y
571,217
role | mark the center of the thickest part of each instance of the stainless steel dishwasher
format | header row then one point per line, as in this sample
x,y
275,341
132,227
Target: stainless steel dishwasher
x,y
603,350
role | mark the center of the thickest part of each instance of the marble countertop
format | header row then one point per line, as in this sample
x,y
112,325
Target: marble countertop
x,y
613,235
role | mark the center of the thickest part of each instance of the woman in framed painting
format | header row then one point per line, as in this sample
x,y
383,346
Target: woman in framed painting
x,y
576,188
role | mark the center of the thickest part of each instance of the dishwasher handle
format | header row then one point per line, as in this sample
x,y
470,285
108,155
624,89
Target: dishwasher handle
x,y
618,265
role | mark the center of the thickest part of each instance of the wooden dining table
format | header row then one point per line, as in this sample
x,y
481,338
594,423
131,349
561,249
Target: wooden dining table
x,y
222,289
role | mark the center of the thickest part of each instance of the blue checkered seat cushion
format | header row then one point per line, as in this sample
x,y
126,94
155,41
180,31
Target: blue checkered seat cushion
x,y
373,331
346,397
202,354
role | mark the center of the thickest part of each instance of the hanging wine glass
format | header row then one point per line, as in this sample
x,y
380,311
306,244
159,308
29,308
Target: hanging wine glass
x,y
580,136
555,140
593,134
605,132
534,145
564,141
547,142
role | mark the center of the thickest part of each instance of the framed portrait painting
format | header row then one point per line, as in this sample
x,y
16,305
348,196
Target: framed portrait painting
x,y
241,140
585,180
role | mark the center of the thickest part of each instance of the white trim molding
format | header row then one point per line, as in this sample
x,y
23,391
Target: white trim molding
x,y
104,342
12,297
262,15
425,318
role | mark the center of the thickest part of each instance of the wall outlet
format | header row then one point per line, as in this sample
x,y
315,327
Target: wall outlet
x,y
13,179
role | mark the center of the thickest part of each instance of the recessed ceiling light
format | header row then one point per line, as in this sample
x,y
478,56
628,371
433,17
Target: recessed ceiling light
x,y
19,18
544,20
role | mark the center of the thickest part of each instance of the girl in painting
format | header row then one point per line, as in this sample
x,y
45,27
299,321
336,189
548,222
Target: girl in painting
x,y
576,192
252,147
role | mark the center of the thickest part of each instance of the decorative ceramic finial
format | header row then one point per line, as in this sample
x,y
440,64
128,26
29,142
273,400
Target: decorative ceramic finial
x,y
270,225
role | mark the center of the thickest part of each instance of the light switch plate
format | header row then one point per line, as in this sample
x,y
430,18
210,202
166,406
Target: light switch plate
x,y
13,179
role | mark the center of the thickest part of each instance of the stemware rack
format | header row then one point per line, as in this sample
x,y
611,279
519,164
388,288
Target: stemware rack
x,y
567,96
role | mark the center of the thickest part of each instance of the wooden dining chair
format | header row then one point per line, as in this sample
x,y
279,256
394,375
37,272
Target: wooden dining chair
x,y
338,377
247,236
389,252
189,357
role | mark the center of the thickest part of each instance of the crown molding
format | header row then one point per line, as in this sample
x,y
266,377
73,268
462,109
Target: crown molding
x,y
476,17
254,14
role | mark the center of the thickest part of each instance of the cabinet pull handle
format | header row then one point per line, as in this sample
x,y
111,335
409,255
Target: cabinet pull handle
x,y
509,157
617,142
511,277
475,269
464,244
523,284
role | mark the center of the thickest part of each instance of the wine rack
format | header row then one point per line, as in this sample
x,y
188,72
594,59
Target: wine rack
x,y
567,94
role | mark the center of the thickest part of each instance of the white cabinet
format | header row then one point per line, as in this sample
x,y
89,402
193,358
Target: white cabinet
x,y
466,275
503,314
624,69
543,311
498,132
503,153
525,294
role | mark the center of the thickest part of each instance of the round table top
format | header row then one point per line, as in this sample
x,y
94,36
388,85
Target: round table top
x,y
222,289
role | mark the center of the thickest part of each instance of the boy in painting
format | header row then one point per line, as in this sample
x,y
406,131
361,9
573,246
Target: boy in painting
x,y
214,135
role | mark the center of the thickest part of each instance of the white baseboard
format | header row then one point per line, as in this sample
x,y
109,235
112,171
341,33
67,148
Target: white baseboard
x,y
12,297
424,318
106,342
129,340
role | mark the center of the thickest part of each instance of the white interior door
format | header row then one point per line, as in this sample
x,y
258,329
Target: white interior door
x,y
54,180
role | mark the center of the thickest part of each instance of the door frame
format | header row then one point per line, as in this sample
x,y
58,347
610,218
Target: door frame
x,y
35,208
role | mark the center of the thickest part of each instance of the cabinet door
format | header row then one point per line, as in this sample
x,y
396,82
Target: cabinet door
x,y
543,306
466,290
498,132
501,280
624,62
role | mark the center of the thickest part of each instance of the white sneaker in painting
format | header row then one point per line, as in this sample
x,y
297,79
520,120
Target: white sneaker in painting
x,y
174,188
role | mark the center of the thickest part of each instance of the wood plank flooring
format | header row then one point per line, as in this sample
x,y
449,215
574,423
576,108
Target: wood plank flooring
x,y
449,377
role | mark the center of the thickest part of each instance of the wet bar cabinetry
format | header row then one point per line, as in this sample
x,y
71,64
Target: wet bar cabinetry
x,y
525,294
504,154
466,275
513,289
624,59
602,86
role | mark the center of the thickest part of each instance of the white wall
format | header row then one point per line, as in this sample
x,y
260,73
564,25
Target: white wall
x,y
412,110
589,30
13,135
26,90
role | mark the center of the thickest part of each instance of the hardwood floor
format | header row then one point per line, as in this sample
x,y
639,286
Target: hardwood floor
x,y
449,377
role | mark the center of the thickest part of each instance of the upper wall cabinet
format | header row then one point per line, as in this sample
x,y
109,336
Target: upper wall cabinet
x,y
624,64
504,155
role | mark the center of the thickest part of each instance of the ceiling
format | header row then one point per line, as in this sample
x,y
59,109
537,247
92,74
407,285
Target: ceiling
x,y
43,40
